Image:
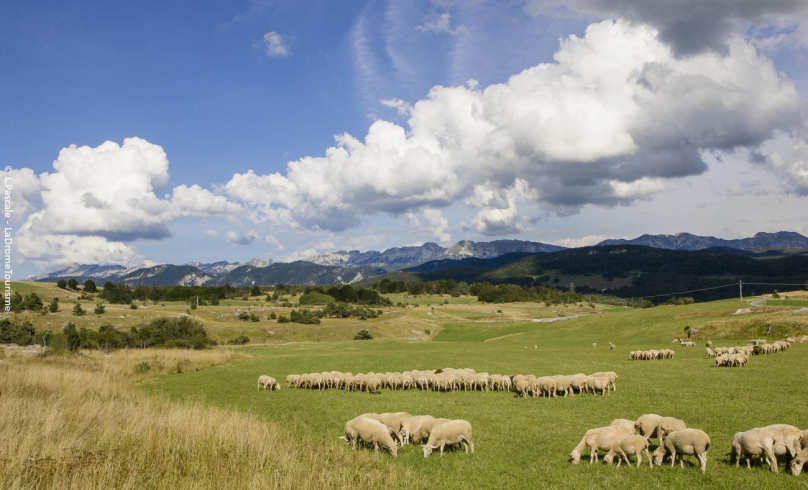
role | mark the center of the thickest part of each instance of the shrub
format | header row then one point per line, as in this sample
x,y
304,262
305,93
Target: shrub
x,y
133,306
240,340
53,307
99,309
283,319
315,298
78,310
17,333
273,316
72,338
363,335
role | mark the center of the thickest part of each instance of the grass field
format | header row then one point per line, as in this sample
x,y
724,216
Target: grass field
x,y
525,443
520,443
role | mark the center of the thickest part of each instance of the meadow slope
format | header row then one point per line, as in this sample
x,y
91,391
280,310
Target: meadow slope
x,y
524,443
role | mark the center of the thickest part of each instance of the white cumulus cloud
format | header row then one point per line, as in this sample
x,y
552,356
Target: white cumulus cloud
x,y
274,45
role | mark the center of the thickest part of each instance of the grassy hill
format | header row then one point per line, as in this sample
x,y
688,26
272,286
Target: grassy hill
x,y
627,271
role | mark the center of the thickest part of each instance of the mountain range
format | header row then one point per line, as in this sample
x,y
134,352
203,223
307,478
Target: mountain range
x,y
687,241
348,267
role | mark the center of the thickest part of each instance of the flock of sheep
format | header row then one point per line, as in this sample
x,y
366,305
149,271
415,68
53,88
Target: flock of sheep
x,y
770,442
389,430
738,356
645,355
621,439
624,438
451,379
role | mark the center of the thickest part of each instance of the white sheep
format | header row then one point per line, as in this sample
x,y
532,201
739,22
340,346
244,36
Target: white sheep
x,y
754,442
449,433
371,432
393,421
684,441
268,383
594,344
598,383
602,438
626,424
667,425
787,439
425,429
373,385
647,424
411,425
628,446
612,378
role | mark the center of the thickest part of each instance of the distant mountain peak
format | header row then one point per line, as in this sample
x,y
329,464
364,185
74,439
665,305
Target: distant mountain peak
x,y
689,241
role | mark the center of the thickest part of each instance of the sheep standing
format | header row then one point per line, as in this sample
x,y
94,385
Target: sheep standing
x,y
754,442
668,425
685,442
628,446
449,433
412,424
423,432
371,432
393,422
600,439
268,383
647,424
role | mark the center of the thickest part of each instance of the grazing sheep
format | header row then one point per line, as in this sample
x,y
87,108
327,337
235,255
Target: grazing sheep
x,y
522,388
798,462
371,432
709,343
710,353
647,424
612,378
410,425
630,445
578,382
668,425
684,441
598,383
425,429
292,380
373,385
600,439
268,383
449,433
754,442
547,386
611,346
393,421
787,439
594,344
625,423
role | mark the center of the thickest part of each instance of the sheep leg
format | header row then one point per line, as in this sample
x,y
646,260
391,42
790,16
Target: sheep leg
x,y
442,445
703,460
648,455
673,457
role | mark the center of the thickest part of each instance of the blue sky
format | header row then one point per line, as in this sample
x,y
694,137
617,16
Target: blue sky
x,y
222,88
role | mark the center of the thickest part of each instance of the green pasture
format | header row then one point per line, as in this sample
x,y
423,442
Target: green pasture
x,y
525,443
